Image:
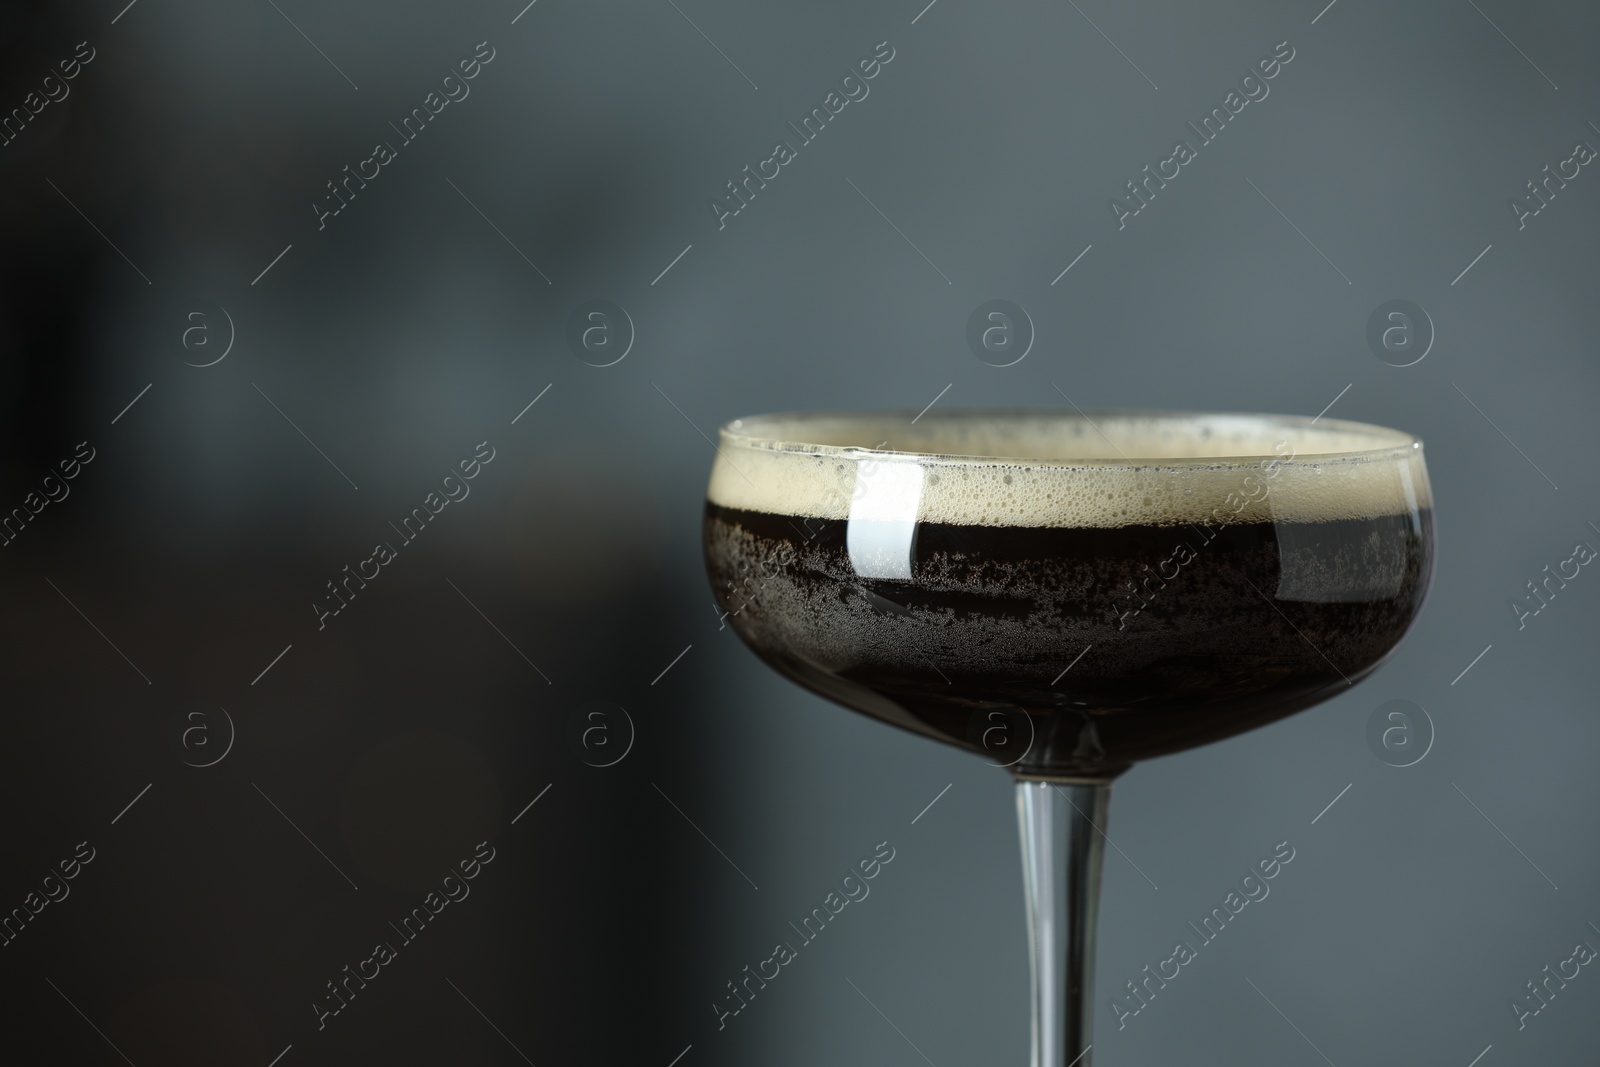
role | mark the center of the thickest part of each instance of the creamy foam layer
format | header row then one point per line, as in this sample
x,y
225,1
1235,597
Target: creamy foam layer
x,y
1032,469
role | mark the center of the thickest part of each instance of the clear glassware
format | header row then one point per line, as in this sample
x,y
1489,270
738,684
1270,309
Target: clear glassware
x,y
1066,595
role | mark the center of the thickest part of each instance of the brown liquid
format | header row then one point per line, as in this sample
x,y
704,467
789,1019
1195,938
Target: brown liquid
x,y
1245,624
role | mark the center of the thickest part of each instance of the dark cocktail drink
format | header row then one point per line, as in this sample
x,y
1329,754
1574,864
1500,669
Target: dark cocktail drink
x,y
1065,594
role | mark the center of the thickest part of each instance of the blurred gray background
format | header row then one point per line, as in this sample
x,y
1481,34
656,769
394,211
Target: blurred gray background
x,y
178,177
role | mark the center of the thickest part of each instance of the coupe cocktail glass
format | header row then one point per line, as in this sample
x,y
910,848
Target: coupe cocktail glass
x,y
1068,594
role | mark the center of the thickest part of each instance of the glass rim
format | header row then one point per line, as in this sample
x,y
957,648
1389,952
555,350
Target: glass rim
x,y
775,432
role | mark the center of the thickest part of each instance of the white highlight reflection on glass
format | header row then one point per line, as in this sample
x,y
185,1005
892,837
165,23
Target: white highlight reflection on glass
x,y
883,518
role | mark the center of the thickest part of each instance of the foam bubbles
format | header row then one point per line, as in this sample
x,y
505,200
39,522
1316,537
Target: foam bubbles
x,y
1033,469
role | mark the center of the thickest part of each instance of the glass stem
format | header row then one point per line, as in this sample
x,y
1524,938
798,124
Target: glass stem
x,y
1062,848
